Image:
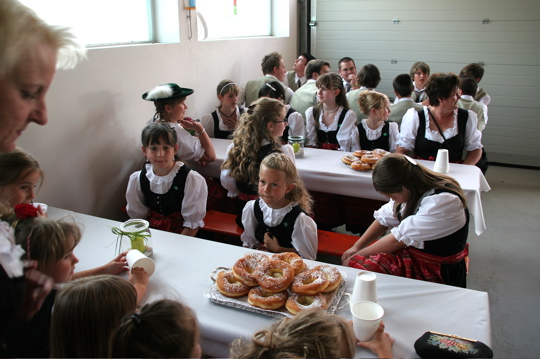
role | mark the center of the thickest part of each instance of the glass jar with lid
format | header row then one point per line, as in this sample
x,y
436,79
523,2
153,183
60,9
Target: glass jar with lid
x,y
135,234
297,143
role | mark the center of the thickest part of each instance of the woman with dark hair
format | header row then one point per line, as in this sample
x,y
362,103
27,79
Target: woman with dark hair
x,y
441,125
428,220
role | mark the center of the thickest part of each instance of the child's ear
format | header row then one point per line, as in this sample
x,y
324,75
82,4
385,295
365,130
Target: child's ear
x,y
143,150
176,148
290,187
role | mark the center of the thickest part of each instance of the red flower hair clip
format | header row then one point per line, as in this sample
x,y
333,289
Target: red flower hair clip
x,y
25,210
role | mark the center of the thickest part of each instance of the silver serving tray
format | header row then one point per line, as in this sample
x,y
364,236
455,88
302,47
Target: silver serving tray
x,y
334,298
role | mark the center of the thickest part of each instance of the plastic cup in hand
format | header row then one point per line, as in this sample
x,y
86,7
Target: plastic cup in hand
x,y
441,162
365,288
135,258
366,319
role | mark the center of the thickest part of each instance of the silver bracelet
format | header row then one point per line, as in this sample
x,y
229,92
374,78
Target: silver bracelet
x,y
203,131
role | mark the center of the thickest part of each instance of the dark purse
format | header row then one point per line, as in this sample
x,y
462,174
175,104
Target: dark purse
x,y
441,346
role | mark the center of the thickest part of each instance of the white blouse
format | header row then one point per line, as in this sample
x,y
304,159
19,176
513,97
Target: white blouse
x,y
208,122
193,206
375,134
438,215
304,236
409,131
229,183
189,147
343,135
296,124
10,253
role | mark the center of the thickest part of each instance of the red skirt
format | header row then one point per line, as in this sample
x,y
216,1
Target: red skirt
x,y
412,263
173,223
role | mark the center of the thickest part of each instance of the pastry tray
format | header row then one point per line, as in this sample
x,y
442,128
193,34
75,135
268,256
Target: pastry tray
x,y
334,298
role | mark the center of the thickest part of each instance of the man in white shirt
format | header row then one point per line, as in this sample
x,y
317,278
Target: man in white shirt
x,y
273,68
296,78
306,96
347,70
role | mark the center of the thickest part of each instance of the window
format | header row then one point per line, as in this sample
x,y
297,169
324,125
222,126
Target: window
x,y
220,19
100,22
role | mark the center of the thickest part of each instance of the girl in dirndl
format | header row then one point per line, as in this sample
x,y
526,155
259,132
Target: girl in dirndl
x,y
428,220
258,134
166,192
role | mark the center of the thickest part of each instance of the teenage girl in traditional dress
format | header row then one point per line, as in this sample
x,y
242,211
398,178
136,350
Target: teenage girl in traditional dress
x,y
428,220
329,124
166,192
223,121
256,137
279,220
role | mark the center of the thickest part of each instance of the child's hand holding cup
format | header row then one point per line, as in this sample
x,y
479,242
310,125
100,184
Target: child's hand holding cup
x,y
366,319
135,259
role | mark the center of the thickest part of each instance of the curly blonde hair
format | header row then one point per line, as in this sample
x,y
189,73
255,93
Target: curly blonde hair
x,y
299,194
252,131
312,333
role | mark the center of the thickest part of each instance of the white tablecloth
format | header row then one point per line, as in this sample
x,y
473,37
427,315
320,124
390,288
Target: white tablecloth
x,y
323,171
184,265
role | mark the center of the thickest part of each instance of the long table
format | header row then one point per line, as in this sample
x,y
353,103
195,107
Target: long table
x,y
184,265
323,171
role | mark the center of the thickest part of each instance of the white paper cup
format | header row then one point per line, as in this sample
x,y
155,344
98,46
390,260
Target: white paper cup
x,y
135,258
441,162
365,288
43,206
366,319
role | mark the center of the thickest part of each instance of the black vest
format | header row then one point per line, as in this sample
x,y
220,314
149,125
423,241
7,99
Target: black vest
x,y
219,133
427,149
167,203
285,137
382,142
283,231
330,136
253,189
452,243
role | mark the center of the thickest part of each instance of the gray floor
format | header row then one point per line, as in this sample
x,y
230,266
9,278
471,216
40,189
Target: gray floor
x,y
504,260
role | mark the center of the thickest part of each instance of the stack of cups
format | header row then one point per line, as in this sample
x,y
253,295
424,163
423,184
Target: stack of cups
x,y
367,314
441,162
135,258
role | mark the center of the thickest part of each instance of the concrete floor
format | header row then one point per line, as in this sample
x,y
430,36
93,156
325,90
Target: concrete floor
x,y
504,260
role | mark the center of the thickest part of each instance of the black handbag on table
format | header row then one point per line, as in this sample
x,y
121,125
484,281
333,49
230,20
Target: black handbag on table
x,y
440,346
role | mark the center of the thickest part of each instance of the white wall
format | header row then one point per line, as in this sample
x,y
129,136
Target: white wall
x,y
448,35
92,141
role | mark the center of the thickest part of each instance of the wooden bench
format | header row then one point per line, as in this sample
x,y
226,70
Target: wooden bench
x,y
330,243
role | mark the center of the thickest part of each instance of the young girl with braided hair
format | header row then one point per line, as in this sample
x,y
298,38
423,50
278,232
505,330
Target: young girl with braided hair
x,y
162,329
279,220
257,136
312,333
